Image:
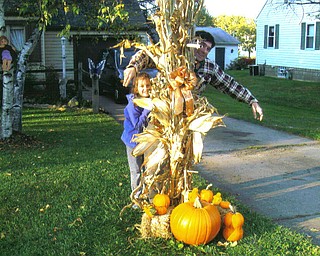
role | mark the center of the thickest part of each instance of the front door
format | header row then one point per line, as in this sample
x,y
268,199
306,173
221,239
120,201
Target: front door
x,y
220,57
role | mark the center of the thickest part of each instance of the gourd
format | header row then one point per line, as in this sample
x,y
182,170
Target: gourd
x,y
217,199
195,223
225,204
233,222
206,194
193,195
161,203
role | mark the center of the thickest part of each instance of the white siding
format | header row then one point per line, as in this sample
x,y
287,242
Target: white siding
x,y
229,54
289,53
53,53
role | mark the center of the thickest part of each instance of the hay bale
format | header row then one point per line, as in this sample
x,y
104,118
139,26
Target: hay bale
x,y
145,227
157,226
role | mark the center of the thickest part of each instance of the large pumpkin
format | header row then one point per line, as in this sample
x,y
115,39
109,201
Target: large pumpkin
x,y
195,223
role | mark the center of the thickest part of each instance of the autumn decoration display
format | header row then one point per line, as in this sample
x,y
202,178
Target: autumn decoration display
x,y
172,142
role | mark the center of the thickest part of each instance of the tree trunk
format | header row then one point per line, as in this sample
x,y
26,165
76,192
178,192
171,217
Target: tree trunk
x,y
20,78
7,102
7,94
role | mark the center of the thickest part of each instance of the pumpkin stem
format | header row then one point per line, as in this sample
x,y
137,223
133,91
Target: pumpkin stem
x,y
197,203
232,208
209,186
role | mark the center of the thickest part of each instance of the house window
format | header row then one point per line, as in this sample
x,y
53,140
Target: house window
x,y
310,36
17,37
271,36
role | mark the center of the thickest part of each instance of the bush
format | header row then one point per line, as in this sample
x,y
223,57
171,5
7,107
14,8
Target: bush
x,y
52,92
241,63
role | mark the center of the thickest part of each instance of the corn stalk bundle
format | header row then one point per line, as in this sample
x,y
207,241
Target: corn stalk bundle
x,y
173,140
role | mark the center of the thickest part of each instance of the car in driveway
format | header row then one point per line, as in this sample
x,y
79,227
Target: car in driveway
x,y
111,78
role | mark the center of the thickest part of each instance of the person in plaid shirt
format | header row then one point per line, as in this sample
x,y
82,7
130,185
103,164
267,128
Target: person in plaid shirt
x,y
207,71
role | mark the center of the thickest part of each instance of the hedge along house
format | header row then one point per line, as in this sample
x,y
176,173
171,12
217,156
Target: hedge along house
x,y
226,49
83,43
288,40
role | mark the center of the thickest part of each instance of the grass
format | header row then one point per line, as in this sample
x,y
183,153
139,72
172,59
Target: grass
x,y
290,106
62,191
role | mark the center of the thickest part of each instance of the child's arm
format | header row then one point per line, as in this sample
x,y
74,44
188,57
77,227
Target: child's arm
x,y
138,117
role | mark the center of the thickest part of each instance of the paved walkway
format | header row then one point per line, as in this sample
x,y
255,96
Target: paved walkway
x,y
275,173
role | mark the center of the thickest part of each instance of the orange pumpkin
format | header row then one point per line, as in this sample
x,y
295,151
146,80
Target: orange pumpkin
x,y
161,203
206,194
233,222
195,223
225,204
161,200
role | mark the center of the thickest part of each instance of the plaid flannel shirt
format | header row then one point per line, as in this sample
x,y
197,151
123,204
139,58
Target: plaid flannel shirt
x,y
208,73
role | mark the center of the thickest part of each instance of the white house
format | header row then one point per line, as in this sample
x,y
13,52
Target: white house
x,y
288,40
226,49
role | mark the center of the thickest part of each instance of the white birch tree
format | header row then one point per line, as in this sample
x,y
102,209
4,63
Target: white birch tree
x,y
27,49
7,94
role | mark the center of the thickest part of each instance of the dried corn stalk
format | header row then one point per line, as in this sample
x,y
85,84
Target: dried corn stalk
x,y
179,120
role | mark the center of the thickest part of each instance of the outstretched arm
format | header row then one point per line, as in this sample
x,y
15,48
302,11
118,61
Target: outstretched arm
x,y
138,62
226,84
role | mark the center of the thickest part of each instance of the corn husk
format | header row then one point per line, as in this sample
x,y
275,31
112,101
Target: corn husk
x,y
179,119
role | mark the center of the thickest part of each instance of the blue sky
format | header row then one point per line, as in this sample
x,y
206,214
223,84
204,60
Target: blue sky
x,y
247,8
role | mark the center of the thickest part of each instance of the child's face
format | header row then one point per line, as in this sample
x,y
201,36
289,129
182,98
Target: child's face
x,y
3,41
143,87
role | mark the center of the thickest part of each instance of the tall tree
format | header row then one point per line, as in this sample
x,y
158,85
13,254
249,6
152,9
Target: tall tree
x,y
7,94
293,3
244,29
204,18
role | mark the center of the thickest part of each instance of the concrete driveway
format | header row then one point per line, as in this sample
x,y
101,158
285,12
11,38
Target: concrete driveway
x,y
275,173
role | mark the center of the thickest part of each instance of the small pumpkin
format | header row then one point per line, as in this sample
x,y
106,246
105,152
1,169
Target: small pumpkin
x,y
225,204
161,200
161,203
195,223
206,194
233,222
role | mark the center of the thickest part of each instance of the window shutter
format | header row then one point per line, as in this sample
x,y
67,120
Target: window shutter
x,y
317,45
265,45
303,36
276,43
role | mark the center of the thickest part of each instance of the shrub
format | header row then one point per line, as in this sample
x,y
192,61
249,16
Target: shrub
x,y
241,63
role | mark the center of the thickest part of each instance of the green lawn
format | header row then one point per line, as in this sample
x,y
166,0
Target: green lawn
x,y
62,191
291,106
